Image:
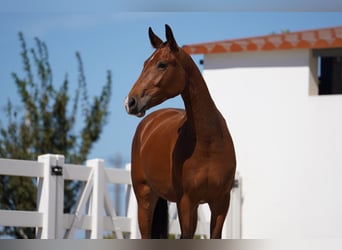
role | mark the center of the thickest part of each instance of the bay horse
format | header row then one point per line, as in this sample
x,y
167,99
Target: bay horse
x,y
183,156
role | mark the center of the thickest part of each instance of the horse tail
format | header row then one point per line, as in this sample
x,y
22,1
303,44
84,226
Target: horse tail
x,y
160,223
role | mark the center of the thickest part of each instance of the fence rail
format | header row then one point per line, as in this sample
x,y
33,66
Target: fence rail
x,y
94,211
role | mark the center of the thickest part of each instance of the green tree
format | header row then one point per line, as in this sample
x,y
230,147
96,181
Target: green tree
x,y
46,123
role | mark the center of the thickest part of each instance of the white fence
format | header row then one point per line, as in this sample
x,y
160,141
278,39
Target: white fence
x,y
94,211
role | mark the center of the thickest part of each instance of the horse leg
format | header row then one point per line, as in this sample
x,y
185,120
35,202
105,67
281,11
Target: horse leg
x,y
219,212
147,201
187,214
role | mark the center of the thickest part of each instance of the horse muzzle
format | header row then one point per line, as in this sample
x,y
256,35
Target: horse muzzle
x,y
135,107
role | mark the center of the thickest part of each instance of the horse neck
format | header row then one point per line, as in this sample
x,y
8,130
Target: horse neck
x,y
202,115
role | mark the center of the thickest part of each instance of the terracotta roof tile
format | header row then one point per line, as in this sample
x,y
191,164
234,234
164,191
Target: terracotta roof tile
x,y
309,39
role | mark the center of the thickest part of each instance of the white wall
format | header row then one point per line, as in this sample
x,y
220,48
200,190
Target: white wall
x,y
288,143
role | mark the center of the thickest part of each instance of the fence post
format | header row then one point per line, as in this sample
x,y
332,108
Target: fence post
x,y
51,196
132,211
237,195
97,198
232,225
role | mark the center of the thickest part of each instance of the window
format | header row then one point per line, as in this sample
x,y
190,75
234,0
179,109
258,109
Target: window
x,y
329,70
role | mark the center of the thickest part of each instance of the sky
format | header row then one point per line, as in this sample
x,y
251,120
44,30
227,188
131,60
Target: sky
x,y
118,41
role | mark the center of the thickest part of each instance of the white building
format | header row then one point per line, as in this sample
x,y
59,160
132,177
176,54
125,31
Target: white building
x,y
281,97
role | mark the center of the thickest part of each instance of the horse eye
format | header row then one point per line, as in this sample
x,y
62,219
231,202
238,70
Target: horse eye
x,y
162,65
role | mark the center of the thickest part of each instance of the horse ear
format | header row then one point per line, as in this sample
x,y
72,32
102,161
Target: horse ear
x,y
154,39
170,39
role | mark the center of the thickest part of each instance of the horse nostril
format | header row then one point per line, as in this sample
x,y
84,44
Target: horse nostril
x,y
132,102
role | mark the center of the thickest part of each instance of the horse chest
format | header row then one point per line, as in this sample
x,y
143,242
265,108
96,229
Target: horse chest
x,y
204,176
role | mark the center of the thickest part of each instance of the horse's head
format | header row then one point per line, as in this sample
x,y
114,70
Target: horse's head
x,y
162,77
